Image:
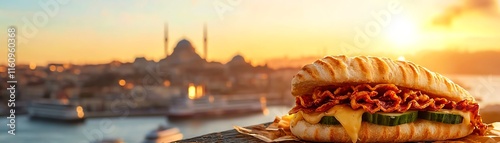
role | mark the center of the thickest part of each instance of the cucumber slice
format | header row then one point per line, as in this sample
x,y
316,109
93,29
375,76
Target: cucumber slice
x,y
441,117
329,120
390,119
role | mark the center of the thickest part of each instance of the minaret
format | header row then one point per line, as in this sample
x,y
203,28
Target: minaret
x,y
165,35
205,41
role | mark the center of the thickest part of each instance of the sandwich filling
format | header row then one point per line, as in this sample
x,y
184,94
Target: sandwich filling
x,y
380,98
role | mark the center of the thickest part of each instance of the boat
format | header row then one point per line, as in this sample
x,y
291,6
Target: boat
x,y
163,134
56,110
213,106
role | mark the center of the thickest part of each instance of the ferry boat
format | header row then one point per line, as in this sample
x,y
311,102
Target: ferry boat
x,y
215,105
163,134
56,110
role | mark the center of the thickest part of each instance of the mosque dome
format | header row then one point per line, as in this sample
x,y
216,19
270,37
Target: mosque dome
x,y
237,60
183,53
184,46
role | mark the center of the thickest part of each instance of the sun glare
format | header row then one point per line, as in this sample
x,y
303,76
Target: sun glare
x,y
401,58
402,32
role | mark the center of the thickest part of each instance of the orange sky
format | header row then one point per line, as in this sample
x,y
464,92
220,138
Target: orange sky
x,y
98,32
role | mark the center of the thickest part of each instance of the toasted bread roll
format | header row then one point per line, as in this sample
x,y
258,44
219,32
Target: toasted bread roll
x,y
420,130
343,70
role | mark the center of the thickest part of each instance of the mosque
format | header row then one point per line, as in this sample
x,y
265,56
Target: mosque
x,y
184,66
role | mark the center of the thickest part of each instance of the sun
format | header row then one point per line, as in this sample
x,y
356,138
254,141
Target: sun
x,y
402,32
401,58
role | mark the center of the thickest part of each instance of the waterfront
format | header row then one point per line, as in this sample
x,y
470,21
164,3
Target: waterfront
x,y
130,129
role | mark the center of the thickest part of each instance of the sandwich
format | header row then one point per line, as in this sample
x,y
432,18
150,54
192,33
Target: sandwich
x,y
373,99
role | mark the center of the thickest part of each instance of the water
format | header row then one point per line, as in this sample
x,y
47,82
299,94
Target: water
x,y
130,129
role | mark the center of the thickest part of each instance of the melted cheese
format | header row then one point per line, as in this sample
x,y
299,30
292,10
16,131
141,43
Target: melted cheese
x,y
313,118
349,119
297,117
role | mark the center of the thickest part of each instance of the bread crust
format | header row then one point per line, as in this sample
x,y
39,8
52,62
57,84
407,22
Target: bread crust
x,y
420,130
343,70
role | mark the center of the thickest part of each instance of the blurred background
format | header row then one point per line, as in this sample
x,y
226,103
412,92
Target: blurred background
x,y
151,70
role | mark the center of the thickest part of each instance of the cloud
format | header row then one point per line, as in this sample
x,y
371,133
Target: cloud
x,y
486,7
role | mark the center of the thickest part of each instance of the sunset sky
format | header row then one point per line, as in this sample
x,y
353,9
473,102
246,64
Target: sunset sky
x,y
95,31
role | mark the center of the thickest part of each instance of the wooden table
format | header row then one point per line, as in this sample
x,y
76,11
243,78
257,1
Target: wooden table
x,y
227,136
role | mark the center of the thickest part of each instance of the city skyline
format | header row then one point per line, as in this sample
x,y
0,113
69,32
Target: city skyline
x,y
257,30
